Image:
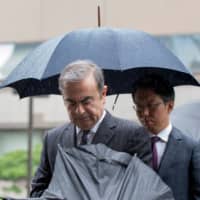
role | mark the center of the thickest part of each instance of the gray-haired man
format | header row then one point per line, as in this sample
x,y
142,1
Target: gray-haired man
x,y
84,93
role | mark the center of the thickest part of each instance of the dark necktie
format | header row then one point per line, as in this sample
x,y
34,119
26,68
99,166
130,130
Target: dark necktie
x,y
154,140
84,137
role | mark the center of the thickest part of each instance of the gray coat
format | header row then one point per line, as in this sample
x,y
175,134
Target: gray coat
x,y
118,134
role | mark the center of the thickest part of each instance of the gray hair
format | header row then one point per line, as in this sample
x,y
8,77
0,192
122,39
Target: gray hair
x,y
78,70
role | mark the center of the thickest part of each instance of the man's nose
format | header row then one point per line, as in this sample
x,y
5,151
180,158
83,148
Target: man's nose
x,y
145,111
80,108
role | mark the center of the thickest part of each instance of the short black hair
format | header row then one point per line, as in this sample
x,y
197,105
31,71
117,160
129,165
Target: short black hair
x,y
157,83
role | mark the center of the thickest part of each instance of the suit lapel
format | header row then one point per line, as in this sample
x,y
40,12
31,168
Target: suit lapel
x,y
103,135
105,131
68,136
173,150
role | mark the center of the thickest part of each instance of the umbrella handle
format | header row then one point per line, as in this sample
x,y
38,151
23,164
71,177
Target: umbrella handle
x,y
115,101
99,16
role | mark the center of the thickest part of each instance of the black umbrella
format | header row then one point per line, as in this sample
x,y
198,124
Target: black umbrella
x,y
98,172
123,54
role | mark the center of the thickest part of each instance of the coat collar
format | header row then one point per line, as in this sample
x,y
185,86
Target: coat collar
x,y
69,136
105,131
173,149
103,135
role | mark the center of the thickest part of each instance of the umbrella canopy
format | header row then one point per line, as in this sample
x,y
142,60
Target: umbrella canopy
x,y
122,53
98,172
186,118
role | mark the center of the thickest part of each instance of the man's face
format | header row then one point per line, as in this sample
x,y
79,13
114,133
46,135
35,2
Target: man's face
x,y
84,103
151,110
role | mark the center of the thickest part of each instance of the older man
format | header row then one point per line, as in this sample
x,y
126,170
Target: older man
x,y
84,94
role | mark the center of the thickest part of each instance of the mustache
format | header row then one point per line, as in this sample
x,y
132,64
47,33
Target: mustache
x,y
81,117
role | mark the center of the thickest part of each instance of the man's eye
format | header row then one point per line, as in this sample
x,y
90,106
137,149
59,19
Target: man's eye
x,y
86,102
71,103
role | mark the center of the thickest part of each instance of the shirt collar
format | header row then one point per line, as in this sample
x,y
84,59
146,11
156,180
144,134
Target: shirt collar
x,y
96,126
164,134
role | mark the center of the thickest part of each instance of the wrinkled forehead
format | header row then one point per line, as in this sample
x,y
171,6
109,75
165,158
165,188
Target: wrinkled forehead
x,y
82,88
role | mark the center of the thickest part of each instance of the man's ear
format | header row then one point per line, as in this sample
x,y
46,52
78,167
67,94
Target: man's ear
x,y
104,91
170,106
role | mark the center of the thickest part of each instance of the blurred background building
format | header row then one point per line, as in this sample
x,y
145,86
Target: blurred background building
x,y
26,23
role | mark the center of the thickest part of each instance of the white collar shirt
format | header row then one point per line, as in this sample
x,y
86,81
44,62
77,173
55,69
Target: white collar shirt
x,y
91,133
161,144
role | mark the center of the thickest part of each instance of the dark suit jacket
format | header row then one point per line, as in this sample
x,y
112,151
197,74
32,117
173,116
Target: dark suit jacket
x,y
180,166
118,134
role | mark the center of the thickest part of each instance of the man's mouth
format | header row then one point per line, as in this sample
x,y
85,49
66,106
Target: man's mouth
x,y
148,121
85,118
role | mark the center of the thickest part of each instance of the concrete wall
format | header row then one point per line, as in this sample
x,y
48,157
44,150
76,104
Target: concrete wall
x,y
37,20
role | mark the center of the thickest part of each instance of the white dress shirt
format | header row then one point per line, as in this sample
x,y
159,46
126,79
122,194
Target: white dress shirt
x,y
92,132
161,144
